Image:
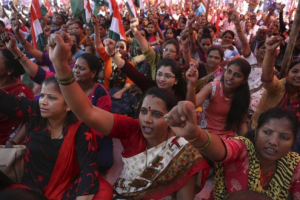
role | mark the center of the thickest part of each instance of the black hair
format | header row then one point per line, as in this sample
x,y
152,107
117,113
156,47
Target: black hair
x,y
216,48
293,64
126,20
205,36
77,38
93,64
180,88
166,96
2,23
173,42
146,33
12,64
71,118
79,23
279,113
126,43
241,98
173,31
230,32
103,26
213,28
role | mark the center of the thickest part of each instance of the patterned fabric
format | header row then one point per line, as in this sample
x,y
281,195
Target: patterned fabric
x,y
214,76
280,184
169,166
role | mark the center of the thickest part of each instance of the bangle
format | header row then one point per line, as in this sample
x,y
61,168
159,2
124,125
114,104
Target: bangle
x,y
207,143
22,43
66,81
192,140
22,62
19,57
112,55
186,51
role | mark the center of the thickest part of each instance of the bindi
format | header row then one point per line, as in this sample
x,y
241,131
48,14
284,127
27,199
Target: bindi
x,y
149,108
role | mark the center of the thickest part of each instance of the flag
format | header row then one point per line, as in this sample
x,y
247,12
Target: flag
x,y
37,10
47,5
139,4
82,7
131,8
116,31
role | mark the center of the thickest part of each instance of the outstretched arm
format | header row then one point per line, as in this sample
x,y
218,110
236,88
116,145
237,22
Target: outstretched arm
x,y
97,118
143,43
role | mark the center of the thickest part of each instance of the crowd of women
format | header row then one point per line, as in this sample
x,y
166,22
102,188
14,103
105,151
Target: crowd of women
x,y
186,99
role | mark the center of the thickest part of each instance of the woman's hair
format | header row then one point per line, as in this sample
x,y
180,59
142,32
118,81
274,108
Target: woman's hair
x,y
126,43
166,96
230,32
213,28
93,64
216,48
71,118
174,33
279,113
77,38
12,64
293,64
103,26
146,33
241,98
180,88
173,42
205,36
79,23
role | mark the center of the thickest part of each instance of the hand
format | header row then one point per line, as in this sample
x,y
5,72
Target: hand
x,y
15,25
271,10
47,31
185,39
183,121
192,73
60,44
95,20
118,95
229,46
109,46
9,40
191,20
235,18
273,42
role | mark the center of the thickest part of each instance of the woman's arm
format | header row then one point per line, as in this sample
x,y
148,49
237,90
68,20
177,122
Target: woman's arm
x,y
143,43
187,192
269,61
97,39
102,121
182,119
191,34
38,55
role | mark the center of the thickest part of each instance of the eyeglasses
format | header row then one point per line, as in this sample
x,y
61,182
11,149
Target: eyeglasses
x,y
169,50
168,76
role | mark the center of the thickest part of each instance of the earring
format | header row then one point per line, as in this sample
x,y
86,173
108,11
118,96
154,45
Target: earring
x,y
68,109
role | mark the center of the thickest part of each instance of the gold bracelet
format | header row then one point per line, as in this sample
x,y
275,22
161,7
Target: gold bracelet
x,y
23,62
192,140
207,143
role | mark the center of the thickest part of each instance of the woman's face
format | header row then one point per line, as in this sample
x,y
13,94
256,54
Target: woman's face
x,y
293,76
152,121
169,33
52,103
150,29
88,31
274,140
213,59
169,51
102,20
121,49
261,52
227,39
200,33
233,77
58,20
82,72
102,31
76,29
212,33
165,78
145,22
205,44
248,26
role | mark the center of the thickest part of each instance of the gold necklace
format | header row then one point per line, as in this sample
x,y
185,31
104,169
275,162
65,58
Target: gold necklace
x,y
146,165
49,129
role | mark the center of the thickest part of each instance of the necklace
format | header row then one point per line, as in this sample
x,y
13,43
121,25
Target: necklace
x,y
90,90
146,165
49,129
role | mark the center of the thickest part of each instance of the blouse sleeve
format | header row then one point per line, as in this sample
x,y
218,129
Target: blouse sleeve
x,y
87,161
15,107
152,58
103,55
41,75
143,82
235,150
